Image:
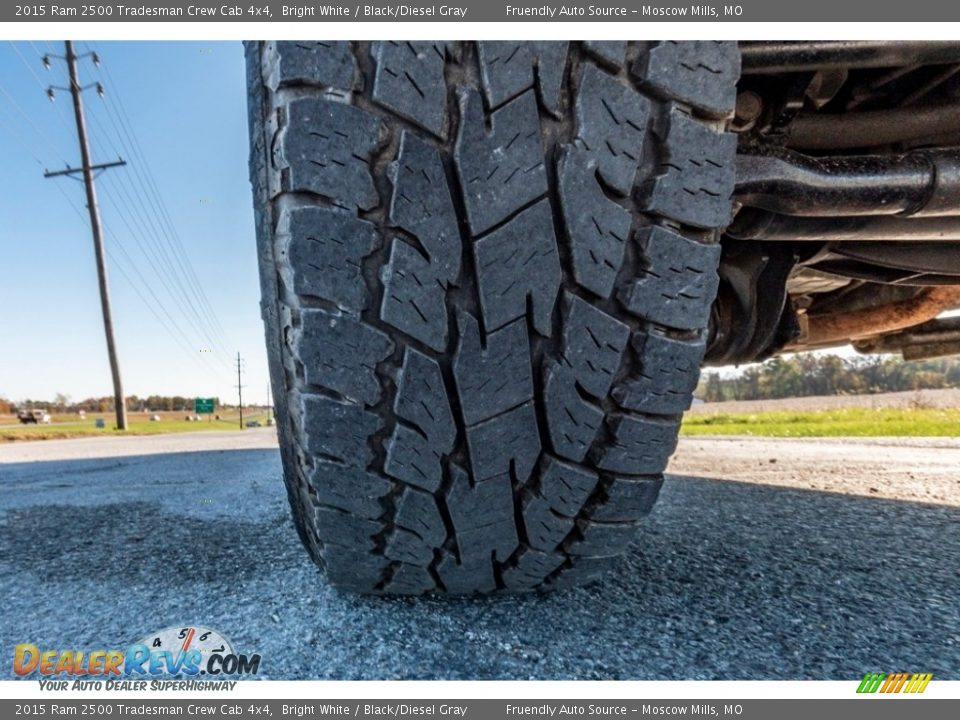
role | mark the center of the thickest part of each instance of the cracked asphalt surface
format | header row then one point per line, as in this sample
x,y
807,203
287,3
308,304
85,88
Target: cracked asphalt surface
x,y
732,579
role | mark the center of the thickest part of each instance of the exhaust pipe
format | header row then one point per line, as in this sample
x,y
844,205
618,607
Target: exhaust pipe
x,y
921,183
842,327
767,58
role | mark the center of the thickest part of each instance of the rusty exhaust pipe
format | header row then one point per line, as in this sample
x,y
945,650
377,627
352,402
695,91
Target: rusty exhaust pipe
x,y
842,327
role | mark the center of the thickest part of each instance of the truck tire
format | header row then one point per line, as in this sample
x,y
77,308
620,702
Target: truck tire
x,y
487,270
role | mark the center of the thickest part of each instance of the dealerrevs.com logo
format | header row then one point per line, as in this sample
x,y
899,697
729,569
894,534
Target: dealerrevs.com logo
x,y
186,652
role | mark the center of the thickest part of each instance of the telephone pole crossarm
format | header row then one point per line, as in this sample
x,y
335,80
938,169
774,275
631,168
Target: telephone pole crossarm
x,y
74,171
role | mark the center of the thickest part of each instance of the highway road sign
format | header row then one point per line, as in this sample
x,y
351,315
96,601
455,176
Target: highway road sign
x,y
203,406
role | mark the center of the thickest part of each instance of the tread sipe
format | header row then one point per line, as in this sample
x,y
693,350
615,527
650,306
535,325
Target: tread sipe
x,y
487,269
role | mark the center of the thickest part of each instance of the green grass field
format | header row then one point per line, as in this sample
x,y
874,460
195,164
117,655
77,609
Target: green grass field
x,y
846,422
69,426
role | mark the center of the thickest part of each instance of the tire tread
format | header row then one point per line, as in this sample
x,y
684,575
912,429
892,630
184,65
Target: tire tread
x,y
487,273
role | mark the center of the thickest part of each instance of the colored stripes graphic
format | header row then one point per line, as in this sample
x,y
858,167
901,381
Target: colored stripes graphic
x,y
894,682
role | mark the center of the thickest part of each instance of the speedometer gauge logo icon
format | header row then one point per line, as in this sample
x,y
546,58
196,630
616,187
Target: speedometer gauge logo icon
x,y
181,639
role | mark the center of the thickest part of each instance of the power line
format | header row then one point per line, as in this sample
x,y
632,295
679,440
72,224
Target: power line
x,y
42,87
140,230
116,100
161,253
182,341
159,303
133,233
23,138
131,198
165,214
137,233
30,122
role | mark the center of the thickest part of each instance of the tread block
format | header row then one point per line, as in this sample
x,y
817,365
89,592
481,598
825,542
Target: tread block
x,y
509,68
352,570
545,528
511,438
494,378
413,459
351,489
679,280
412,456
422,400
341,353
325,148
341,528
585,570
516,262
530,569
572,421
698,174
598,227
409,80
324,248
322,64
601,539
669,369
418,512
337,430
413,299
701,73
640,446
566,487
628,499
593,344
611,52
410,580
474,574
502,171
421,204
611,125
405,546
482,516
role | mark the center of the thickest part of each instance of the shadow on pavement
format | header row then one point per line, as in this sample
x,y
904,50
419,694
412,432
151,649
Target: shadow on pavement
x,y
728,580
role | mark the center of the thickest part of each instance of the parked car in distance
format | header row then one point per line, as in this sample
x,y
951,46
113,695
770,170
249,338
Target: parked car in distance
x,y
36,417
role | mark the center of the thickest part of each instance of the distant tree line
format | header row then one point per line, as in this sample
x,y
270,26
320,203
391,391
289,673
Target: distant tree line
x,y
807,374
782,377
62,403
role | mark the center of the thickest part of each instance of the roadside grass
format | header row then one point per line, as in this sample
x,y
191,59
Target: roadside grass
x,y
845,422
70,426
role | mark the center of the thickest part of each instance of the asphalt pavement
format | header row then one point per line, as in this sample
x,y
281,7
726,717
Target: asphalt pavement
x,y
732,580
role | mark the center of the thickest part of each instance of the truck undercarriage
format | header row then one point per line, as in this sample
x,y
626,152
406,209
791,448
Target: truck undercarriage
x,y
846,221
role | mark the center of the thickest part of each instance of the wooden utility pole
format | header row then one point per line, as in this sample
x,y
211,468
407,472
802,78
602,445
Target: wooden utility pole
x,y
87,170
269,404
240,391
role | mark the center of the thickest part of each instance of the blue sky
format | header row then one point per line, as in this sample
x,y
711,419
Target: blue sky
x,y
185,110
